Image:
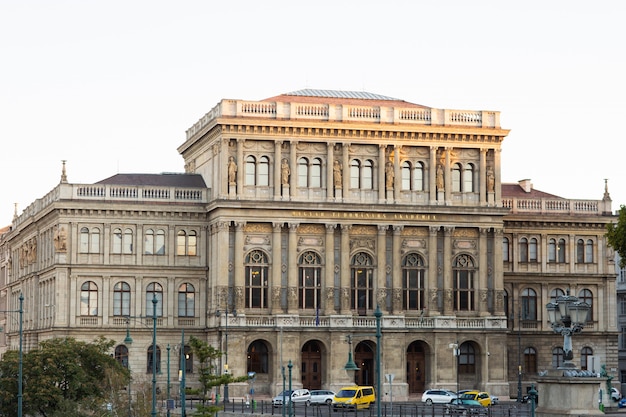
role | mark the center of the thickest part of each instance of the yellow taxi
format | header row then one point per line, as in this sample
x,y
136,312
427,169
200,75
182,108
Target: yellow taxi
x,y
482,397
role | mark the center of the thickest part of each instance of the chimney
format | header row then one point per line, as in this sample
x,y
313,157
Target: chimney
x,y
526,185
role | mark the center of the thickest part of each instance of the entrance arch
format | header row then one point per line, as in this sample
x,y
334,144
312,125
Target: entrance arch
x,y
416,367
312,365
364,358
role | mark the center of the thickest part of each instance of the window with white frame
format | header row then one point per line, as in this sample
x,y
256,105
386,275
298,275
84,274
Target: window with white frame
x,y
89,299
121,299
154,242
89,240
186,300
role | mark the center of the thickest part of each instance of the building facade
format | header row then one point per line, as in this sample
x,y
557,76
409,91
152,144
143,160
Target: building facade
x,y
297,219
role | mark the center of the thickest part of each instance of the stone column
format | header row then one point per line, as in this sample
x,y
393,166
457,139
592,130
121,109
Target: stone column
x,y
396,271
346,170
380,286
496,173
483,266
397,175
222,167
293,166
448,278
238,270
345,268
328,296
498,273
431,280
241,167
292,269
482,182
382,160
447,178
432,176
278,158
330,180
276,281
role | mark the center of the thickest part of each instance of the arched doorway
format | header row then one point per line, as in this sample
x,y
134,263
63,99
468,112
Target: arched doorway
x,y
468,366
364,359
312,365
415,367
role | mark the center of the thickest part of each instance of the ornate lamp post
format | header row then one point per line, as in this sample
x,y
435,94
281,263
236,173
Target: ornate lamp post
x,y
218,313
567,316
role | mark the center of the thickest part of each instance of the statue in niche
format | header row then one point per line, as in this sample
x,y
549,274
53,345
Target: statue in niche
x,y
389,175
284,172
491,180
60,239
440,181
337,173
232,171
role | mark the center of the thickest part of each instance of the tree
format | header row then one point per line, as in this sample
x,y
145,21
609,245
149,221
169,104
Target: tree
x,y
208,374
616,235
63,377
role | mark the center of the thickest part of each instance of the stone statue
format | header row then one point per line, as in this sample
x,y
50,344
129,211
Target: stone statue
x,y
389,175
60,239
232,171
337,173
284,172
440,182
491,180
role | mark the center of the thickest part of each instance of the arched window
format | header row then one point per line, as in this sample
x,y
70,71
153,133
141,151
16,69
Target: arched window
x,y
186,300
464,271
150,359
580,251
121,355
250,173
456,178
310,282
556,293
560,251
258,357
355,174
154,290
413,272
121,299
532,250
529,304
552,250
467,359
368,175
89,240
468,178
530,360
257,271
122,241
405,175
89,299
316,173
186,243
154,242
303,172
362,282
523,250
586,296
506,249
418,177
557,357
585,354
589,251
264,171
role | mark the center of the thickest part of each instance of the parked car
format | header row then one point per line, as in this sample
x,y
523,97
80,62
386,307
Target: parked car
x,y
615,394
299,396
321,396
438,396
463,407
481,396
621,403
354,397
495,400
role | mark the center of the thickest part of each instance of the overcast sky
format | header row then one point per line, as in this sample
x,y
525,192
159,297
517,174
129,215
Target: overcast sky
x,y
111,86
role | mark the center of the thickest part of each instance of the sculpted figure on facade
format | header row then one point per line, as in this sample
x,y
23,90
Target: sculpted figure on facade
x,y
60,239
439,177
389,175
285,172
337,174
491,180
232,171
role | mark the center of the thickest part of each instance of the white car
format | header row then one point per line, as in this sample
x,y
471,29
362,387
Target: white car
x,y
438,396
299,396
322,396
615,394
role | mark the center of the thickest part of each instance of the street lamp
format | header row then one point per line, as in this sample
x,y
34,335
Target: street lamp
x,y
218,313
350,365
20,361
567,316
154,355
183,366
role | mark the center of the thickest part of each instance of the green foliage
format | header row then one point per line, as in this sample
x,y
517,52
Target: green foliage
x,y
616,235
209,375
63,377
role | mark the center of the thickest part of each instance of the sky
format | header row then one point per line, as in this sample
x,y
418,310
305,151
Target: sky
x,y
112,86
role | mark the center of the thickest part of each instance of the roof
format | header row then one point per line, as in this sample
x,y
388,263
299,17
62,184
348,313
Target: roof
x,y
515,190
164,180
309,95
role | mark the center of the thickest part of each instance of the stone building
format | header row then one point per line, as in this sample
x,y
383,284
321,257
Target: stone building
x,y
297,218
